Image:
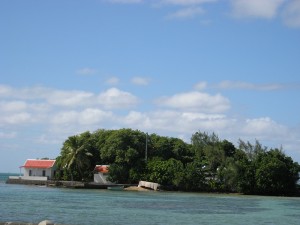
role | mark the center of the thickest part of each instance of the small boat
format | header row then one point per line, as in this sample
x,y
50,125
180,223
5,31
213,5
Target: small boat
x,y
116,188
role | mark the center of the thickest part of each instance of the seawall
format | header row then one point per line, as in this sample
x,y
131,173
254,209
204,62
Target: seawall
x,y
67,184
53,183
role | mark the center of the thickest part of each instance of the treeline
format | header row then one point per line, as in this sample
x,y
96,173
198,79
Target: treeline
x,y
207,164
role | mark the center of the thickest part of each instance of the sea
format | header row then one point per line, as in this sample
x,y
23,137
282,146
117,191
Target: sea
x,y
32,204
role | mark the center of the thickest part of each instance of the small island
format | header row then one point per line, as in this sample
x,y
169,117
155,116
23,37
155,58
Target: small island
x,y
207,164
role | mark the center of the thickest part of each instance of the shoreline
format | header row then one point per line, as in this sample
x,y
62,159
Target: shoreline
x,y
44,222
127,187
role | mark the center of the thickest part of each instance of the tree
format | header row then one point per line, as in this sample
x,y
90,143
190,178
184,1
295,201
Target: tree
x,y
165,172
246,160
276,174
118,142
202,139
76,155
228,148
214,157
194,177
99,139
227,176
160,147
118,173
181,150
124,149
245,172
251,150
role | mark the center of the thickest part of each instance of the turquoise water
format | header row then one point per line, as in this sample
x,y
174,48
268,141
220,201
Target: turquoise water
x,y
91,207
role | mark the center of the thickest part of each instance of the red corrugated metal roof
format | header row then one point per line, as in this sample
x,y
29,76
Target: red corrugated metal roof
x,y
39,163
102,168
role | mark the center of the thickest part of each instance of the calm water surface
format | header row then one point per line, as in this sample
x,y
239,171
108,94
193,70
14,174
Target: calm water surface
x,y
91,207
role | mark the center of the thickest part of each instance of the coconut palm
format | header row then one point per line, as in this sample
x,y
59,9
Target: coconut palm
x,y
75,154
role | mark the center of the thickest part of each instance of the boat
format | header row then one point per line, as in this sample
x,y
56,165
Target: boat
x,y
116,188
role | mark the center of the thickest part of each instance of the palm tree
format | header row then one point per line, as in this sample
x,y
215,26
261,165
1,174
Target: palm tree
x,y
75,154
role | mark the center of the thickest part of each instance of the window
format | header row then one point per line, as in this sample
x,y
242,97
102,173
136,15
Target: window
x,y
44,173
30,173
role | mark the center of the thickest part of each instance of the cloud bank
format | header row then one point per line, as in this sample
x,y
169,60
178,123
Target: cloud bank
x,y
59,113
287,10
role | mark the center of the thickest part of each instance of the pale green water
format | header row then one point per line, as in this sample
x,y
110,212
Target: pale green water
x,y
90,207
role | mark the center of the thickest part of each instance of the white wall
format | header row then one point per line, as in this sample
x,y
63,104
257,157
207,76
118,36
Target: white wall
x,y
101,178
28,178
37,172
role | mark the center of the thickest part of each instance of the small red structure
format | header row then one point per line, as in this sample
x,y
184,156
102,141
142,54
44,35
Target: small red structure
x,y
39,163
101,174
101,168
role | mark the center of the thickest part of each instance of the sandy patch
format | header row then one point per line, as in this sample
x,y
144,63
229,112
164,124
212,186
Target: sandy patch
x,y
136,188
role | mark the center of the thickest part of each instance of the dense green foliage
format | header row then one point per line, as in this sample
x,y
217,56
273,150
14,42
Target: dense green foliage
x,y
207,164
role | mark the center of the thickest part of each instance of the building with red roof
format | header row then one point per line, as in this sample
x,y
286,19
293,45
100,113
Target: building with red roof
x,y
101,169
42,169
101,173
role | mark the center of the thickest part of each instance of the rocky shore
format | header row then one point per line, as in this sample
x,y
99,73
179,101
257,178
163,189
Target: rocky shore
x,y
44,222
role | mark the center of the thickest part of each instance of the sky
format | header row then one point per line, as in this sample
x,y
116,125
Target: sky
x,y
170,67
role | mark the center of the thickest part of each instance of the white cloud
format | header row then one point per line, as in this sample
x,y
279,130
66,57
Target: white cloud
x,y
69,98
13,106
265,130
263,127
87,116
291,14
240,9
5,90
50,117
114,98
156,120
172,121
65,117
16,118
36,92
186,13
196,101
111,98
190,116
201,86
86,71
43,106
39,107
94,116
267,9
187,8
113,81
140,81
135,118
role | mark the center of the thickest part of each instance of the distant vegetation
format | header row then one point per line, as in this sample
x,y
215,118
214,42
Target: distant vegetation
x,y
208,164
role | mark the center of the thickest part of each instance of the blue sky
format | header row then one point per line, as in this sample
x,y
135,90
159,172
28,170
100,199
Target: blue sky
x,y
171,67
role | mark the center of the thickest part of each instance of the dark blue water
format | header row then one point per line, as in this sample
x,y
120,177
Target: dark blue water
x,y
90,207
